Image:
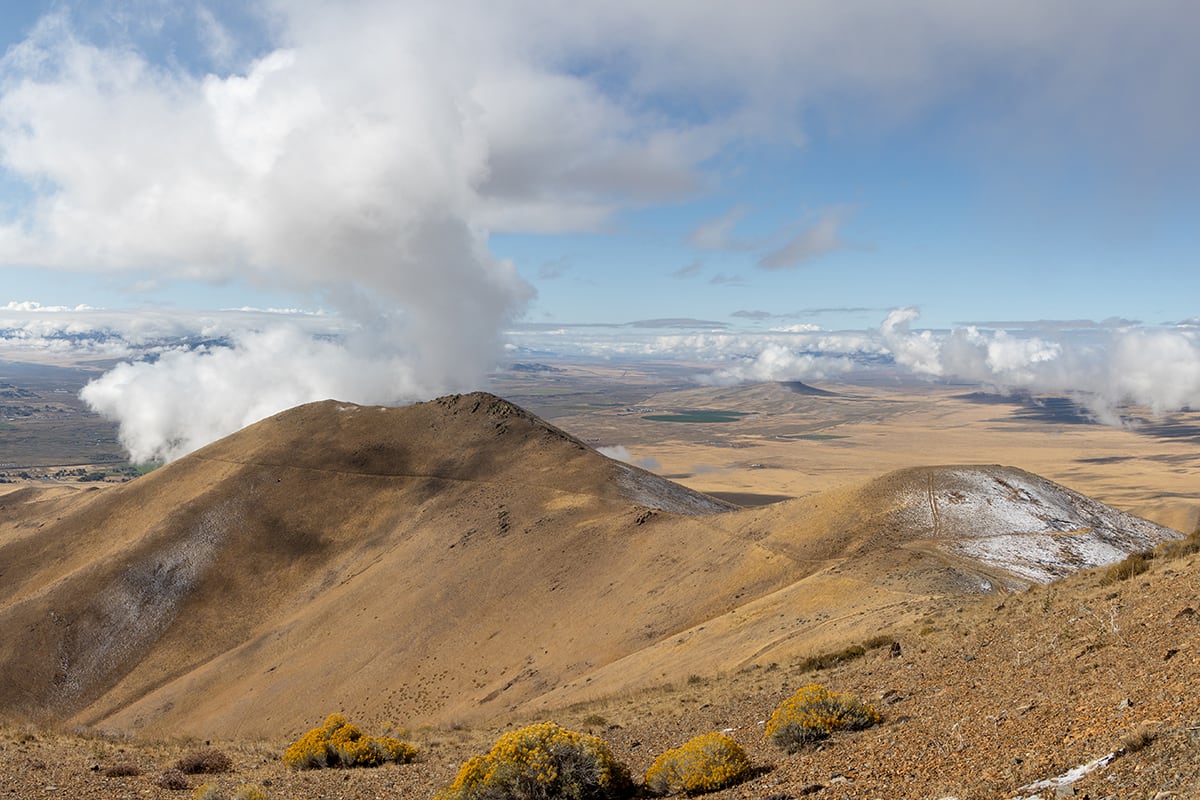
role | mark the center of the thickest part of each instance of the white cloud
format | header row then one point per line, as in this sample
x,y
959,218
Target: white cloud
x,y
1159,369
800,327
364,159
776,362
919,351
36,307
188,398
817,239
619,452
717,233
1155,368
1103,368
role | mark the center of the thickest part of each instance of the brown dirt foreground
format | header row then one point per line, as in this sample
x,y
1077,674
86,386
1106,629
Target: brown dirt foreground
x,y
983,701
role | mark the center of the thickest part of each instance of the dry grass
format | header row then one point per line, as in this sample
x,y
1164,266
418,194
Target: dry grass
x,y
1132,565
1180,548
1137,739
832,659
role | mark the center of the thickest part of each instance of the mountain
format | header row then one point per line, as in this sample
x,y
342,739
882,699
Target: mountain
x,y
462,559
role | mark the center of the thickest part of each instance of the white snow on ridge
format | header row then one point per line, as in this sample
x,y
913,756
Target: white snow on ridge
x,y
652,491
1026,525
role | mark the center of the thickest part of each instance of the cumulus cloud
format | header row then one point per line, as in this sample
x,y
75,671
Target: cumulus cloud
x,y
334,168
919,351
1159,369
181,400
362,158
776,362
1114,366
1104,368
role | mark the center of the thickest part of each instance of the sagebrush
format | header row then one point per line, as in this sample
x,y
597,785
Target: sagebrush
x,y
209,761
704,764
337,743
540,762
813,713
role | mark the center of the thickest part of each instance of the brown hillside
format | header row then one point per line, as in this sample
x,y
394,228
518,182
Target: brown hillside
x,y
460,559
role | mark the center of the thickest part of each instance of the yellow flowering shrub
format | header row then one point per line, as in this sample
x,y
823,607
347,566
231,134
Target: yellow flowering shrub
x,y
542,761
310,751
214,791
337,743
208,791
813,713
392,749
704,764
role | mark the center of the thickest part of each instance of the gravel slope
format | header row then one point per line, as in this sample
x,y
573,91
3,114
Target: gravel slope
x,y
983,700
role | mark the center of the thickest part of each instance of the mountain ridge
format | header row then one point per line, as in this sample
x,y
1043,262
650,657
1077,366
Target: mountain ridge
x,y
453,559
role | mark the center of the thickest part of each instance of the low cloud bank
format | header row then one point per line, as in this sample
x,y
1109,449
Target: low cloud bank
x,y
1103,366
1156,368
193,378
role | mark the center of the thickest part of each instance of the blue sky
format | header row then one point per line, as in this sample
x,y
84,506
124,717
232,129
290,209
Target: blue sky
x,y
437,174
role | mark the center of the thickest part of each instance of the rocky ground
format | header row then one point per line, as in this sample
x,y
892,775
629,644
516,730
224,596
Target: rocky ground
x,y
988,700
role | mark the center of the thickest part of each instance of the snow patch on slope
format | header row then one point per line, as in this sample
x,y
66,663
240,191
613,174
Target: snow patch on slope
x,y
1022,523
647,489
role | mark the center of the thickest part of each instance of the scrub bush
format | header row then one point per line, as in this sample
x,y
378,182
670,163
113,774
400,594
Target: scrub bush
x,y
705,764
204,762
337,743
540,762
813,713
214,791
172,779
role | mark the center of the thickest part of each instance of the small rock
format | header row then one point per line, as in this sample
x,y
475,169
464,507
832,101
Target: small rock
x,y
1064,790
1172,651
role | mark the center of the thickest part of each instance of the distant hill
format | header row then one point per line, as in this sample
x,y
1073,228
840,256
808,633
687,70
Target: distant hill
x,y
800,387
462,559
